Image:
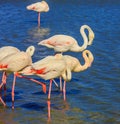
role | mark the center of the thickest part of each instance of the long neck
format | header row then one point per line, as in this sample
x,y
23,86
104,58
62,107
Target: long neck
x,y
88,58
87,39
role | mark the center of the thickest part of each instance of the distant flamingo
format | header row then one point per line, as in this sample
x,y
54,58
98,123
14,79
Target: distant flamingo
x,y
39,7
15,63
63,43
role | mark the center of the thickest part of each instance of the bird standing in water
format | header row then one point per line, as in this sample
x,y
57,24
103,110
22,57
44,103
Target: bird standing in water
x,y
5,51
39,7
63,43
48,68
16,62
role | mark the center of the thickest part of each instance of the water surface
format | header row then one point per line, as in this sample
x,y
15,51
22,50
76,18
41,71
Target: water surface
x,y
92,95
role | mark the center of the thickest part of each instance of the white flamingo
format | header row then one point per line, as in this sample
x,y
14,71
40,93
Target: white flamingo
x,y
16,62
62,43
39,7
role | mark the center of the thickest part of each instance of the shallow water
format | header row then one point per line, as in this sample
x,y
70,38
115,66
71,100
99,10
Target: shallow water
x,y
92,95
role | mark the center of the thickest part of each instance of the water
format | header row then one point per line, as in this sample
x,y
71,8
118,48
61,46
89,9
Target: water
x,y
92,95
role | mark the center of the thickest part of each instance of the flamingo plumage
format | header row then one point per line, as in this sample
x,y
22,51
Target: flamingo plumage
x,y
63,43
39,7
16,62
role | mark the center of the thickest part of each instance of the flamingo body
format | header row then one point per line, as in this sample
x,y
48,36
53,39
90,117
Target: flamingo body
x,y
47,68
7,50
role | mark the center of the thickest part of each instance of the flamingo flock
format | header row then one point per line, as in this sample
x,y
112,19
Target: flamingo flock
x,y
20,63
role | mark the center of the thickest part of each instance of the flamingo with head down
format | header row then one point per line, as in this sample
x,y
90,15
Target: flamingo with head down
x,y
74,65
5,51
63,43
48,68
39,7
16,62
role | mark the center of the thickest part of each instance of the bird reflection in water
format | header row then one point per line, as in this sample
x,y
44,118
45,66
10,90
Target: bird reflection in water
x,y
37,33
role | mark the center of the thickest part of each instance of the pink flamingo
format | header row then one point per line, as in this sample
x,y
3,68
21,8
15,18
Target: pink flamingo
x,y
39,7
15,63
5,51
62,43
74,65
48,68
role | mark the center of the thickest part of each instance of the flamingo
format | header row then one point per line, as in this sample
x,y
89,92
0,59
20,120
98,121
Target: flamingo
x,y
5,51
16,62
39,7
62,43
48,68
74,65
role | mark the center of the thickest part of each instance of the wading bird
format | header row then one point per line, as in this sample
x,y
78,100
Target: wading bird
x,y
39,7
48,68
74,65
5,51
16,62
63,43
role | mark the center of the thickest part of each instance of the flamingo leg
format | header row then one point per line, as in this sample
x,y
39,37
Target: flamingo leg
x,y
64,91
40,83
2,101
50,86
38,19
60,83
13,89
4,77
48,101
55,83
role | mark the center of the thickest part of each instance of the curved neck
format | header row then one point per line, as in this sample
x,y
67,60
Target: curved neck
x,y
87,39
88,58
30,50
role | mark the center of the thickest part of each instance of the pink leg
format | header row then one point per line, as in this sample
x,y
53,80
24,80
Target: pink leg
x,y
64,91
49,114
40,83
39,19
13,89
2,101
50,86
48,102
4,78
60,83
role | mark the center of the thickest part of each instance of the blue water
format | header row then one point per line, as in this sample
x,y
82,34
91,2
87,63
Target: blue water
x,y
93,96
